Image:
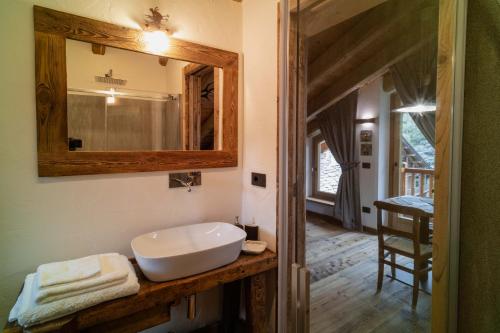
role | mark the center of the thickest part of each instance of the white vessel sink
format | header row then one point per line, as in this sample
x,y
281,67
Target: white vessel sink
x,y
187,250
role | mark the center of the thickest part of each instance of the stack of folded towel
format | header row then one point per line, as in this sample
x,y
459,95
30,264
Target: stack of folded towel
x,y
60,288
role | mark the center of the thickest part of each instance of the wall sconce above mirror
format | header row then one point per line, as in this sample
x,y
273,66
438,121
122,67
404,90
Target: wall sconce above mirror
x,y
112,99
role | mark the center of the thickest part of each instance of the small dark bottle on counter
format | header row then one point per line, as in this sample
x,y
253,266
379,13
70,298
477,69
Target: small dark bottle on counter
x,y
252,231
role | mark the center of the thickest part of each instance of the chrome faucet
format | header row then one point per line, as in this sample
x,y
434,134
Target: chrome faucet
x,y
186,183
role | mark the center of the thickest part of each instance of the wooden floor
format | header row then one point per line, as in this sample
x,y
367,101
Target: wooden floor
x,y
343,267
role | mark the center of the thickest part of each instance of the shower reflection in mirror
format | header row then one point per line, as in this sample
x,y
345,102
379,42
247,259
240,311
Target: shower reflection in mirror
x,y
120,100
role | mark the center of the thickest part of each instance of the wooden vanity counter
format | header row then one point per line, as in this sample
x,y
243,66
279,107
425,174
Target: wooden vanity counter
x,y
151,306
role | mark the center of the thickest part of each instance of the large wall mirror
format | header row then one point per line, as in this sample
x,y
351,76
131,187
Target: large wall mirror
x,y
110,102
121,100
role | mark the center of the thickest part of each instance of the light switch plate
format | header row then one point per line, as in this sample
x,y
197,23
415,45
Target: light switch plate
x,y
259,179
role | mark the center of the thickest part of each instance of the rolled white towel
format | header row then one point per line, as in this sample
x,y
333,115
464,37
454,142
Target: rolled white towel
x,y
68,271
28,313
112,272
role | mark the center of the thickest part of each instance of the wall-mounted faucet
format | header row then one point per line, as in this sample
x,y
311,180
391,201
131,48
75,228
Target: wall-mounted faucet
x,y
185,179
187,183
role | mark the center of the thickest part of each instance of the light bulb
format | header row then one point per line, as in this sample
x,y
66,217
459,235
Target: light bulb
x,y
111,99
156,41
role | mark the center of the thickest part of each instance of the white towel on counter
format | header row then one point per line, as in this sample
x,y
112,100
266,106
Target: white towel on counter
x,y
68,271
112,272
28,312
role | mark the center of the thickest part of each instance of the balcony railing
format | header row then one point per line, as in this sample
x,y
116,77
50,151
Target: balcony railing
x,y
416,181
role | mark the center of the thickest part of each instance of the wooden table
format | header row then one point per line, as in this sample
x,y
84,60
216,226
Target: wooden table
x,y
151,306
419,207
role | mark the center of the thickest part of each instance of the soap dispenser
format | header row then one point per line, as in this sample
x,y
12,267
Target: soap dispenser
x,y
237,223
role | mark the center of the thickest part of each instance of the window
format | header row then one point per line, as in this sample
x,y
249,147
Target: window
x,y
416,151
416,160
325,171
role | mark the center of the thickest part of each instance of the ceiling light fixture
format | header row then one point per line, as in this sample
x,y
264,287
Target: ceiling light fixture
x,y
419,108
366,121
156,31
156,41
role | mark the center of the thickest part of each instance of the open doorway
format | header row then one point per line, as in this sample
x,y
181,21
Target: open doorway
x,y
362,71
343,258
364,101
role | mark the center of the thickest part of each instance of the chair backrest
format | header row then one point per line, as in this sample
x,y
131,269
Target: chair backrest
x,y
414,235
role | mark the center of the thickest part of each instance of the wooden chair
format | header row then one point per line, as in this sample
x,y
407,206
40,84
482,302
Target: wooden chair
x,y
408,244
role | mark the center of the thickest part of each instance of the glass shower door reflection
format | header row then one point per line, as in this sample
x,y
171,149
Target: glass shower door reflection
x,y
126,124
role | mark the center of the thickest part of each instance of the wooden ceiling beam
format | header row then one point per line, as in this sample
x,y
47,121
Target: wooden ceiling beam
x,y
312,126
374,26
407,35
323,15
98,49
163,61
372,68
388,83
304,5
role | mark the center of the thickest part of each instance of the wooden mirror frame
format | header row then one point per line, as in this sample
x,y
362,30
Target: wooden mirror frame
x,y
52,28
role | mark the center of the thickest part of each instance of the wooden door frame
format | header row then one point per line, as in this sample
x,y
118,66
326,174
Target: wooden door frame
x,y
451,51
291,167
191,110
291,163
394,149
450,90
394,156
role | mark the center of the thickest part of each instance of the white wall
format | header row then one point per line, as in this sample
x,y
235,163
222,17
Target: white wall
x,y
142,71
47,219
260,116
373,102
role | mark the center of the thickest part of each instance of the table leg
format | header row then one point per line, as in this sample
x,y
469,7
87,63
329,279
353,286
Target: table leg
x,y
231,306
255,296
424,230
424,239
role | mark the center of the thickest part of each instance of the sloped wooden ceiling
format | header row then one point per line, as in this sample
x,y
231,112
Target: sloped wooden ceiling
x,y
323,14
348,55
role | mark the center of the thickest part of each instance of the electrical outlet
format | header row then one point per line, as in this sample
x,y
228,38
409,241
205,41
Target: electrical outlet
x,y
366,210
